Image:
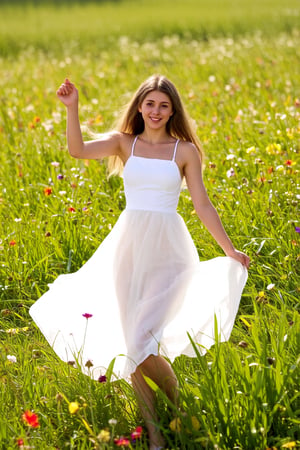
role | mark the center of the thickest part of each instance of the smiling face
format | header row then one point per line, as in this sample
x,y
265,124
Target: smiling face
x,y
156,109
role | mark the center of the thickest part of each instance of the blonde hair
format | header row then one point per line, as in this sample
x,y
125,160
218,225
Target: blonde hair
x,y
131,122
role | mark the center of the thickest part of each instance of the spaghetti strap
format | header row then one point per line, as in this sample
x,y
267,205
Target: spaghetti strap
x,y
133,145
175,150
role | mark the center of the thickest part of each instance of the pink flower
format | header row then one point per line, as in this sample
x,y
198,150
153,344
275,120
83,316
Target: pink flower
x,y
122,441
87,315
137,433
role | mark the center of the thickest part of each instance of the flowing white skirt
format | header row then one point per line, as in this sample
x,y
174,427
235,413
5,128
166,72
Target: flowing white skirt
x,y
146,290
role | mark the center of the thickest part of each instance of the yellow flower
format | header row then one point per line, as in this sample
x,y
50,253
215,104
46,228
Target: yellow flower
x,y
175,424
104,436
291,444
273,149
251,150
73,407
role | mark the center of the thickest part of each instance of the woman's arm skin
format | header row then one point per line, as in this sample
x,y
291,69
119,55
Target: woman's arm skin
x,y
108,145
203,206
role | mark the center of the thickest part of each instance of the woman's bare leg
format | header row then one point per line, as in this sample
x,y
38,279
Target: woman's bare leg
x,y
158,370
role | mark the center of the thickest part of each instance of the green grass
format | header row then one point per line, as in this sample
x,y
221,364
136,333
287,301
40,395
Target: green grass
x,y
241,88
91,26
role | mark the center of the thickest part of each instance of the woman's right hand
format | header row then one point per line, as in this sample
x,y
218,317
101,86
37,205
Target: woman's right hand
x,y
67,93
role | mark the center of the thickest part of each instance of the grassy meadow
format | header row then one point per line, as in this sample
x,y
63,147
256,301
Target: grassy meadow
x,y
237,67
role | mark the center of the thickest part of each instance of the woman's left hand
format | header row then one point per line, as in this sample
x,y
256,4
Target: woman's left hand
x,y
240,257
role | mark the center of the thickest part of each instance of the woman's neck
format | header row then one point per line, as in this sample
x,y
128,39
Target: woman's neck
x,y
159,137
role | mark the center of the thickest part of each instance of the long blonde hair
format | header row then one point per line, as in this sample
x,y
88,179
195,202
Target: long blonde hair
x,y
178,126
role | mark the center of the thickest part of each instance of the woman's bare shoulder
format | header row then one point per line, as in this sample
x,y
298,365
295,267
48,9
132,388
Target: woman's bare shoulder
x,y
188,151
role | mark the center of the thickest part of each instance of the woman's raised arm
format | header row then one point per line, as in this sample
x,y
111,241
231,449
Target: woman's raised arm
x,y
107,145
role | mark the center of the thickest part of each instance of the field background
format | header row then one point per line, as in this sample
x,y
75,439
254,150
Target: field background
x,y
236,65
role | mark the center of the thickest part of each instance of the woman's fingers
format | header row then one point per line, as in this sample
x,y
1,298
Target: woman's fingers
x,y
65,88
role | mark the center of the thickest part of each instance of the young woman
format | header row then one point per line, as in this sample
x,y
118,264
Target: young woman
x,y
144,289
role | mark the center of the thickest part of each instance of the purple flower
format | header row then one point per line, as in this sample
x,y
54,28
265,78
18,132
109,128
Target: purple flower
x,y
297,229
60,176
102,379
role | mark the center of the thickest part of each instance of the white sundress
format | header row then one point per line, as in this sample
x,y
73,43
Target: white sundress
x,y
144,286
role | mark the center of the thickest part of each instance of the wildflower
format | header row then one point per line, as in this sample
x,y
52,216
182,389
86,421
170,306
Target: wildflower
x,y
122,441
12,358
12,243
71,209
273,149
36,119
89,364
112,422
270,286
289,162
59,397
73,407
47,234
175,424
291,444
55,164
47,191
243,344
230,173
297,229
87,315
60,176
251,150
102,379
20,442
104,436
31,419
137,433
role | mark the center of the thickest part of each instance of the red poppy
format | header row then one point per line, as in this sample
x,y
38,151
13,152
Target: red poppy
x,y
31,419
12,243
47,191
71,209
20,442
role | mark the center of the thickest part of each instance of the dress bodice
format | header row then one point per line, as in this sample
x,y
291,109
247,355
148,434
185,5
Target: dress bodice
x,y
151,184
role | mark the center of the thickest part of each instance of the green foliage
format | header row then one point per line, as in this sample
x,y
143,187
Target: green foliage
x,y
242,92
